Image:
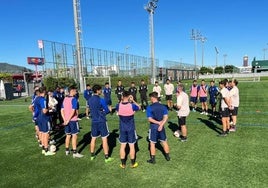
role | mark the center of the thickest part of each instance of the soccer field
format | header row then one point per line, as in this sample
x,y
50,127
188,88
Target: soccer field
x,y
205,160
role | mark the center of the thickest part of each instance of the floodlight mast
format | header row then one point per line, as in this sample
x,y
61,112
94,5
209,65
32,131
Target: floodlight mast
x,y
264,52
150,7
224,62
203,40
217,53
195,36
78,37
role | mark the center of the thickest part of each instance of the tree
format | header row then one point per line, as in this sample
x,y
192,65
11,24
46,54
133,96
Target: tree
x,y
205,70
229,68
6,77
51,83
218,70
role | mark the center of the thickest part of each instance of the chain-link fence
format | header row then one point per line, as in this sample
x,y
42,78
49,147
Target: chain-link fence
x,y
60,61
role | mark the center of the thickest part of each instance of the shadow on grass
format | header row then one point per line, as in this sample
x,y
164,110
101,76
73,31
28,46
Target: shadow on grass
x,y
137,149
210,125
157,146
217,119
84,142
111,142
81,115
173,126
59,137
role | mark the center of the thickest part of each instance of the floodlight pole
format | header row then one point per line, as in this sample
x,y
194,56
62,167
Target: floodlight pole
x,y
150,7
264,52
78,38
203,40
195,36
217,53
127,57
224,62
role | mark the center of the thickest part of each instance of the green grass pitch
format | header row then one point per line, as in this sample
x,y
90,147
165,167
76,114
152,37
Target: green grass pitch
x,y
238,160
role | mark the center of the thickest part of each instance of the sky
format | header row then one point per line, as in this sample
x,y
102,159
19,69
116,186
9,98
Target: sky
x,y
235,27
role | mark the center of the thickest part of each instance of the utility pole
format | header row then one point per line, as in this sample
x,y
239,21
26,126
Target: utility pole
x,y
150,7
78,38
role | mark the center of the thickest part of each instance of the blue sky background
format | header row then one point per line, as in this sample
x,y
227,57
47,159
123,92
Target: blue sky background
x,y
236,28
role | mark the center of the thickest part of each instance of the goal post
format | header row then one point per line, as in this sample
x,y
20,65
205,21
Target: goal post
x,y
249,78
97,80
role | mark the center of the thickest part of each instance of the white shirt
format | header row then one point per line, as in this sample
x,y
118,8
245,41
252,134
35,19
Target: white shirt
x,y
157,89
234,94
224,94
183,104
52,102
169,89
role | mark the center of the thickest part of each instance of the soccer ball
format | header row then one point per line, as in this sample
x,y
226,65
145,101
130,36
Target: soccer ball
x,y
176,134
52,148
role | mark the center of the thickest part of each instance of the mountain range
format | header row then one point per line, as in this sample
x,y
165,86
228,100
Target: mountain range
x,y
13,69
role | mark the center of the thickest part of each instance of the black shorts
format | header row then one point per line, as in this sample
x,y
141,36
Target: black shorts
x,y
234,111
225,112
168,97
181,120
119,97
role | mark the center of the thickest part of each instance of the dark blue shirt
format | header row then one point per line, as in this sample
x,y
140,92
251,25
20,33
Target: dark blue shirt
x,y
107,93
59,97
157,111
98,108
42,104
88,93
35,107
213,91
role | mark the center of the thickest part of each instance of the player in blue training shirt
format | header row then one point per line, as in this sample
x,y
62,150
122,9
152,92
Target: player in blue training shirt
x,y
126,110
213,93
107,91
44,121
87,94
32,107
157,115
99,110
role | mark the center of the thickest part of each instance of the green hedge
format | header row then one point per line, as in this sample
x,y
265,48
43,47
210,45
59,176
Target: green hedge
x,y
51,83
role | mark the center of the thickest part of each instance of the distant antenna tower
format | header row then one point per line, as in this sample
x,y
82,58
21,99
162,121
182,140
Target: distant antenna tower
x,y
79,43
